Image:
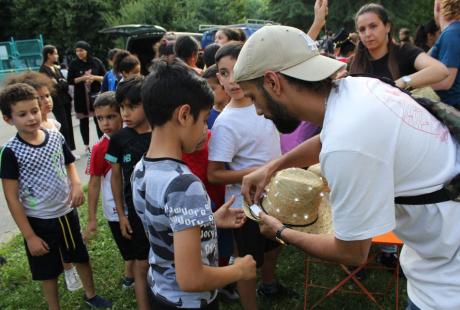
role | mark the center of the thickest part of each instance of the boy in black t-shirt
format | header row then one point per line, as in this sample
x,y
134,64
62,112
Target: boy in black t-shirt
x,y
126,148
42,188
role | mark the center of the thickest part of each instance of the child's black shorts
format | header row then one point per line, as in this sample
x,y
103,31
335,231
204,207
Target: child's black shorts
x,y
64,238
125,246
139,242
249,240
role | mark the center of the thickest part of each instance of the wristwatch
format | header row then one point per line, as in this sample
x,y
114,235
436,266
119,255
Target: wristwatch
x,y
407,81
278,235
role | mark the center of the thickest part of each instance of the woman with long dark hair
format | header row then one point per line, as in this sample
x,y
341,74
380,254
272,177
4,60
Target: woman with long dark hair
x,y
86,73
426,35
62,102
379,55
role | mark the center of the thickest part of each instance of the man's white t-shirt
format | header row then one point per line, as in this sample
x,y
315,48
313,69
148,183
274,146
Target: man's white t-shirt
x,y
242,139
377,144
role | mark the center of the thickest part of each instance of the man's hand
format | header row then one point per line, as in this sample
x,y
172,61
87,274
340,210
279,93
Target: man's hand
x,y
77,198
227,217
90,231
125,227
254,183
247,266
269,225
36,246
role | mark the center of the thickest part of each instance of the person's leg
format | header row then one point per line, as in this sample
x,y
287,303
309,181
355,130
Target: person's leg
x,y
84,130
50,292
247,292
140,284
61,116
268,269
98,130
68,117
129,269
86,276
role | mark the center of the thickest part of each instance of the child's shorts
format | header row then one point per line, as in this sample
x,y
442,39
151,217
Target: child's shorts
x,y
249,240
125,246
64,239
139,242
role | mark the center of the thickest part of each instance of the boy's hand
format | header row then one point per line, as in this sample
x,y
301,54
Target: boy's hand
x,y
125,227
90,231
227,217
77,198
247,267
36,246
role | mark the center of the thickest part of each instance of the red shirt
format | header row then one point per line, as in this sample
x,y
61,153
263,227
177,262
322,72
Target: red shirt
x,y
198,164
98,165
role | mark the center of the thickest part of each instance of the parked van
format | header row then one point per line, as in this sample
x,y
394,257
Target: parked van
x,y
139,40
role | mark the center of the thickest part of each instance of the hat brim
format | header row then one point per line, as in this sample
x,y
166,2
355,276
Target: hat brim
x,y
322,226
247,211
315,69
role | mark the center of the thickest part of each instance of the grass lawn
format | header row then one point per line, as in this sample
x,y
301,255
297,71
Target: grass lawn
x,y
18,291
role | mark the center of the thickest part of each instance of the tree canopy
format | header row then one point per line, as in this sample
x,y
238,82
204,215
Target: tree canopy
x,y
64,22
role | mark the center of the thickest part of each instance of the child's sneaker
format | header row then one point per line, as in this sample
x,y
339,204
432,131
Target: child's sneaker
x,y
97,302
229,293
127,282
72,279
275,290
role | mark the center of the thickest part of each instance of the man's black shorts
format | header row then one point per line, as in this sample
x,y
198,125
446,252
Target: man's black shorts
x,y
249,240
64,239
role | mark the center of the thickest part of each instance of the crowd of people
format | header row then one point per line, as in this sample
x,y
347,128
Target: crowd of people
x,y
182,149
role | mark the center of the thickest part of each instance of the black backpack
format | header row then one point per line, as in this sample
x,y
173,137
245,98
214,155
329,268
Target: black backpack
x,y
450,117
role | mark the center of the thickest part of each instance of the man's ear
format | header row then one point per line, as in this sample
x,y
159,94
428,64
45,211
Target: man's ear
x,y
8,120
272,82
183,114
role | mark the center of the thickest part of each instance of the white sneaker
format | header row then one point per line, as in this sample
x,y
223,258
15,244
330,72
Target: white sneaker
x,y
72,279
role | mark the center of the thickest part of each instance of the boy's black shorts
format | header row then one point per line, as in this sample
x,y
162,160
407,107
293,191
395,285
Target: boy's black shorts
x,y
64,238
249,240
125,246
139,242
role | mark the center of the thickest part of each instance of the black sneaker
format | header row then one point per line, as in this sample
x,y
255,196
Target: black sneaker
x,y
229,293
389,260
98,302
127,282
275,290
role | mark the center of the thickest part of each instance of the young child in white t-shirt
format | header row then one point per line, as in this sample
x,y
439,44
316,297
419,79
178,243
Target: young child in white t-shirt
x,y
241,140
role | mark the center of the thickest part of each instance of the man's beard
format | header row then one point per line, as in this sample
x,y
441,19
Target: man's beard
x,y
279,115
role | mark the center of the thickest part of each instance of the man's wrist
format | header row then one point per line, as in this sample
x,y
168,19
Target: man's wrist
x,y
279,234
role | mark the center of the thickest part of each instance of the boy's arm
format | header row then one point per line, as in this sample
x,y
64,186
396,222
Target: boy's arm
x,y
116,182
77,198
94,187
36,245
217,174
319,20
193,276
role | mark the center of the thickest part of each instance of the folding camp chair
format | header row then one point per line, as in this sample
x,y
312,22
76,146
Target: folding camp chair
x,y
351,275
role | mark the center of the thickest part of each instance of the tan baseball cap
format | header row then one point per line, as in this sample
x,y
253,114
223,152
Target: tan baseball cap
x,y
283,49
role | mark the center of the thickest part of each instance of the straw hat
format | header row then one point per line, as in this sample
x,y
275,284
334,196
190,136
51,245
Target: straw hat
x,y
296,198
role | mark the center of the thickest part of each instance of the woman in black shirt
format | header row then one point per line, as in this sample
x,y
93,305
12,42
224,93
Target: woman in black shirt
x,y
377,54
62,102
86,73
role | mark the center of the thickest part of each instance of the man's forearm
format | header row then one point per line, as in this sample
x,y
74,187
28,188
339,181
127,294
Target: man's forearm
x,y
224,176
328,247
304,155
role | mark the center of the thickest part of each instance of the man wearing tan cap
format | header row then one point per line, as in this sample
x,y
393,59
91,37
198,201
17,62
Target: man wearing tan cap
x,y
376,144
